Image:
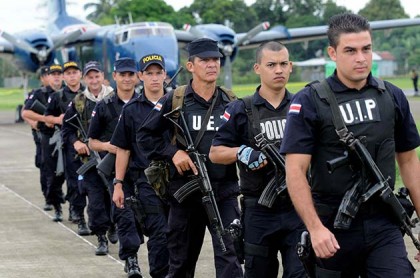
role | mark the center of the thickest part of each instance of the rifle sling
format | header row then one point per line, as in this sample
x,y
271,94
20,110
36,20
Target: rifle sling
x,y
324,91
206,120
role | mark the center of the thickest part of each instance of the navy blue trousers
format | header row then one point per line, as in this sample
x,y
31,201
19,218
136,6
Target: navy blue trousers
x,y
372,247
54,192
99,202
76,198
274,229
187,224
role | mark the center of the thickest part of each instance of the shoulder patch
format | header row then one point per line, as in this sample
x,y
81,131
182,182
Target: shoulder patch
x,y
295,108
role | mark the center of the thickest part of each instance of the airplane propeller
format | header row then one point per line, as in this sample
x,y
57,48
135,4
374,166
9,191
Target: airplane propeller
x,y
228,49
42,52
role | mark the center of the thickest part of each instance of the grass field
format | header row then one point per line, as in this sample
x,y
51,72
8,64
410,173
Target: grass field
x,y
10,98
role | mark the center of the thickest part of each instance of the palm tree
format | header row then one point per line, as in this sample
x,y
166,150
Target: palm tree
x,y
100,10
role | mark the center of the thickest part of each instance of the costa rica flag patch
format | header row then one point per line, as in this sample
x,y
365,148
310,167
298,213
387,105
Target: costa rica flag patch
x,y
295,108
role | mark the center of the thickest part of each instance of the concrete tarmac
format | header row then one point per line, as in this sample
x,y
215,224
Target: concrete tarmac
x,y
32,245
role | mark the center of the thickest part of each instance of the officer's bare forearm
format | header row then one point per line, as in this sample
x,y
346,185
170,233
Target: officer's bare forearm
x,y
98,146
121,163
409,167
299,190
54,120
31,115
223,155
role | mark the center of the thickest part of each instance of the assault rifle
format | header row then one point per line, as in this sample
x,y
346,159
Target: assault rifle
x,y
363,190
58,148
277,184
94,157
200,182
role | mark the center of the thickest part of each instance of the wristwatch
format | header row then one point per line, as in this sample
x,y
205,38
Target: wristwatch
x,y
115,181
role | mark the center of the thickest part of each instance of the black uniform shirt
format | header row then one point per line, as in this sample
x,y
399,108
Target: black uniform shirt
x,y
235,132
103,121
42,95
302,118
58,103
124,137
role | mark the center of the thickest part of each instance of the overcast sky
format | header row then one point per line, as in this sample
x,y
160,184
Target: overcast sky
x,y
21,15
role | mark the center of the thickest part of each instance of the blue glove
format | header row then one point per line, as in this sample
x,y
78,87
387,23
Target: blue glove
x,y
250,157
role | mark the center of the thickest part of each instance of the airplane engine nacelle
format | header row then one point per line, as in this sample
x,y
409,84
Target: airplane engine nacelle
x,y
28,60
225,37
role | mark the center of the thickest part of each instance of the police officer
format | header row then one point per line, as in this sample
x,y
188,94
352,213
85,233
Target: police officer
x,y
51,78
90,183
103,122
373,244
56,108
43,77
266,230
188,219
131,162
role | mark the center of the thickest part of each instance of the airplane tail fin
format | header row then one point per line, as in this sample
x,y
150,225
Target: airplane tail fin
x,y
56,9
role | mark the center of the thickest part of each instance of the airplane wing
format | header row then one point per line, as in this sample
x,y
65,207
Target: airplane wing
x,y
291,35
6,48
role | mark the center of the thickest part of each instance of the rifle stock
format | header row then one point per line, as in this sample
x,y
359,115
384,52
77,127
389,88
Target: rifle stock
x,y
58,148
38,107
107,165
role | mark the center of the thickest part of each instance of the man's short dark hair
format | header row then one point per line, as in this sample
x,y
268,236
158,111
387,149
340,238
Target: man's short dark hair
x,y
271,45
346,23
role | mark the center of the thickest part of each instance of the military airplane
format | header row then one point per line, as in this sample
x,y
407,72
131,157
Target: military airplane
x,y
68,38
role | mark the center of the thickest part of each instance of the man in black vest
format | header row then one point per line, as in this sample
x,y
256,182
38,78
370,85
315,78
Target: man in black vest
x,y
53,76
57,106
90,183
379,116
130,179
267,230
188,219
104,120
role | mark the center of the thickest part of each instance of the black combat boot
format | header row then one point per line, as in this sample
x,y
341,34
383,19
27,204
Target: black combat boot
x,y
58,216
82,229
73,216
48,207
102,248
132,267
112,233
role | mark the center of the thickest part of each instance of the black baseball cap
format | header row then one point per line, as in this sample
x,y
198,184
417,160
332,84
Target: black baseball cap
x,y
125,64
92,65
55,68
151,59
204,48
70,64
44,70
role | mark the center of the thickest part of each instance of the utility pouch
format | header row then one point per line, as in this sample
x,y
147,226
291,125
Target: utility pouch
x,y
157,175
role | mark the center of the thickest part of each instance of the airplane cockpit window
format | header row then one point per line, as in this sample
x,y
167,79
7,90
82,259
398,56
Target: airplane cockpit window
x,y
144,29
121,37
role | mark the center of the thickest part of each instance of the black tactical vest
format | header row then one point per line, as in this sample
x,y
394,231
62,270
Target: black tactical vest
x,y
195,113
113,111
45,94
271,123
84,107
370,113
